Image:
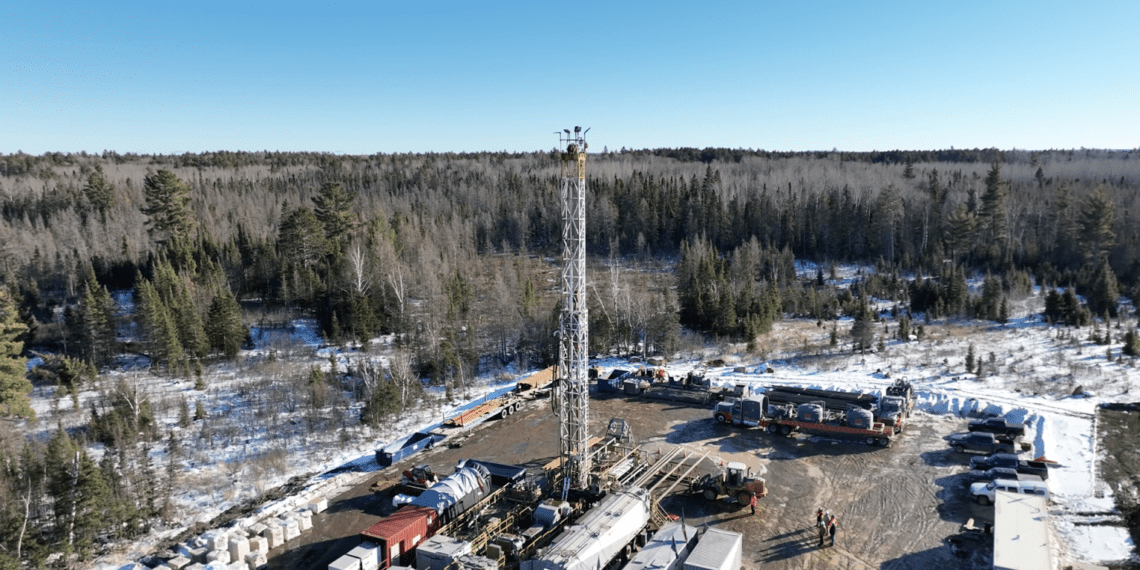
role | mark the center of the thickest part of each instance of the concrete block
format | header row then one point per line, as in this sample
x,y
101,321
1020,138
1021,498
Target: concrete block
x,y
198,554
274,534
238,547
305,519
319,504
194,566
218,556
258,544
290,528
178,562
255,560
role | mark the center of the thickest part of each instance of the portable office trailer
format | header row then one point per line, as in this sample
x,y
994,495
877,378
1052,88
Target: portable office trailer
x,y
716,550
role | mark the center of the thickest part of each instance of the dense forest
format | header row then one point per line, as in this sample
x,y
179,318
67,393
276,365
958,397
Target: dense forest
x,y
456,256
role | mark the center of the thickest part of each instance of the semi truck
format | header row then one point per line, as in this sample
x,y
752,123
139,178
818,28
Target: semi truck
x,y
854,423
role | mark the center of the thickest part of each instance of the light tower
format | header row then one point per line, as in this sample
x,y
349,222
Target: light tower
x,y
573,329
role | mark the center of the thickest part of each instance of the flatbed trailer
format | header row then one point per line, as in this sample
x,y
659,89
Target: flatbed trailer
x,y
877,435
503,406
753,412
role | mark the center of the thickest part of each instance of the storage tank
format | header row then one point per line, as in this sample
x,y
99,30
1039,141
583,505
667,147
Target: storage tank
x,y
860,418
457,492
717,550
667,550
809,413
598,536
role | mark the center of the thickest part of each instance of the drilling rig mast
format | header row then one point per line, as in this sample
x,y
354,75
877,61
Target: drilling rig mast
x,y
573,398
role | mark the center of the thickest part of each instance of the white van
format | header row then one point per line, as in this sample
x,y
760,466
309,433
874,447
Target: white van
x,y
984,492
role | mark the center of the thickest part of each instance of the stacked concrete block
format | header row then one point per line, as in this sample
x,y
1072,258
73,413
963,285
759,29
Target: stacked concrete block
x,y
218,556
178,562
318,504
194,566
258,544
255,560
274,534
305,519
290,528
216,539
238,547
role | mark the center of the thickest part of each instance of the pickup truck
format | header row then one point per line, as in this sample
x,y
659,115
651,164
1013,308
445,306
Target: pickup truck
x,y
981,442
997,426
998,473
1039,468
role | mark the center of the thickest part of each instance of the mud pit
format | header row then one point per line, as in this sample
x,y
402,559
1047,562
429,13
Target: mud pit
x,y
895,506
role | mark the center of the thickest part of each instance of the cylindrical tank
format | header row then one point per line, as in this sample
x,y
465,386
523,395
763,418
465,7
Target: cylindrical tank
x,y
859,418
809,413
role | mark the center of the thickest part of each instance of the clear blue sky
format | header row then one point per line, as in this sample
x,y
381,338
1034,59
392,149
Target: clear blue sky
x,y
365,77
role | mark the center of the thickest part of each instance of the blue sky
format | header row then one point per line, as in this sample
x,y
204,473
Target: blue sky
x,y
379,76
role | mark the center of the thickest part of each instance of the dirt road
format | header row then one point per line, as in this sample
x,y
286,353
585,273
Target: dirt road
x,y
895,506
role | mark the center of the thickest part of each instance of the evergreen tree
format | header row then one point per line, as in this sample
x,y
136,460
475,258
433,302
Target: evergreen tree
x,y
97,322
970,359
300,238
93,505
99,191
862,331
223,324
1104,294
1095,222
15,388
158,327
167,206
1131,344
333,207
993,214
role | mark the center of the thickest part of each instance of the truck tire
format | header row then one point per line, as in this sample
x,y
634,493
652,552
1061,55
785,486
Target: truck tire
x,y
773,429
744,498
869,441
709,494
884,442
983,500
960,448
721,418
786,430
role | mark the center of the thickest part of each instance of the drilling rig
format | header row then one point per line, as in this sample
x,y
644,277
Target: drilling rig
x,y
572,401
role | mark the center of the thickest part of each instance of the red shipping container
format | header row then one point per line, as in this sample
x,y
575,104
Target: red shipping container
x,y
399,534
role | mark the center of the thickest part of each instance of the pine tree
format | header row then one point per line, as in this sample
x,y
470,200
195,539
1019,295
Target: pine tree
x,y
970,359
223,324
1131,344
93,504
15,388
97,322
1095,223
167,206
200,411
99,191
333,207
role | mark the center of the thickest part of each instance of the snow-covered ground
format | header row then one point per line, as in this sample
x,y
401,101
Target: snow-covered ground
x,y
1051,378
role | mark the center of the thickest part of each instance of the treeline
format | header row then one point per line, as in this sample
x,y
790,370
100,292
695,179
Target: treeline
x,y
377,243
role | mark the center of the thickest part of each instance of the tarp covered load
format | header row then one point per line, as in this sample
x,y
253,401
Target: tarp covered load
x,y
457,492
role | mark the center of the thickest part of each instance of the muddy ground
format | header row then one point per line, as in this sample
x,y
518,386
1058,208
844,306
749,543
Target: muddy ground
x,y
896,506
1118,426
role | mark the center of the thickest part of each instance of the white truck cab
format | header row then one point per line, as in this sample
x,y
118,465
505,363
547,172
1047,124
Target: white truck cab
x,y
985,492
